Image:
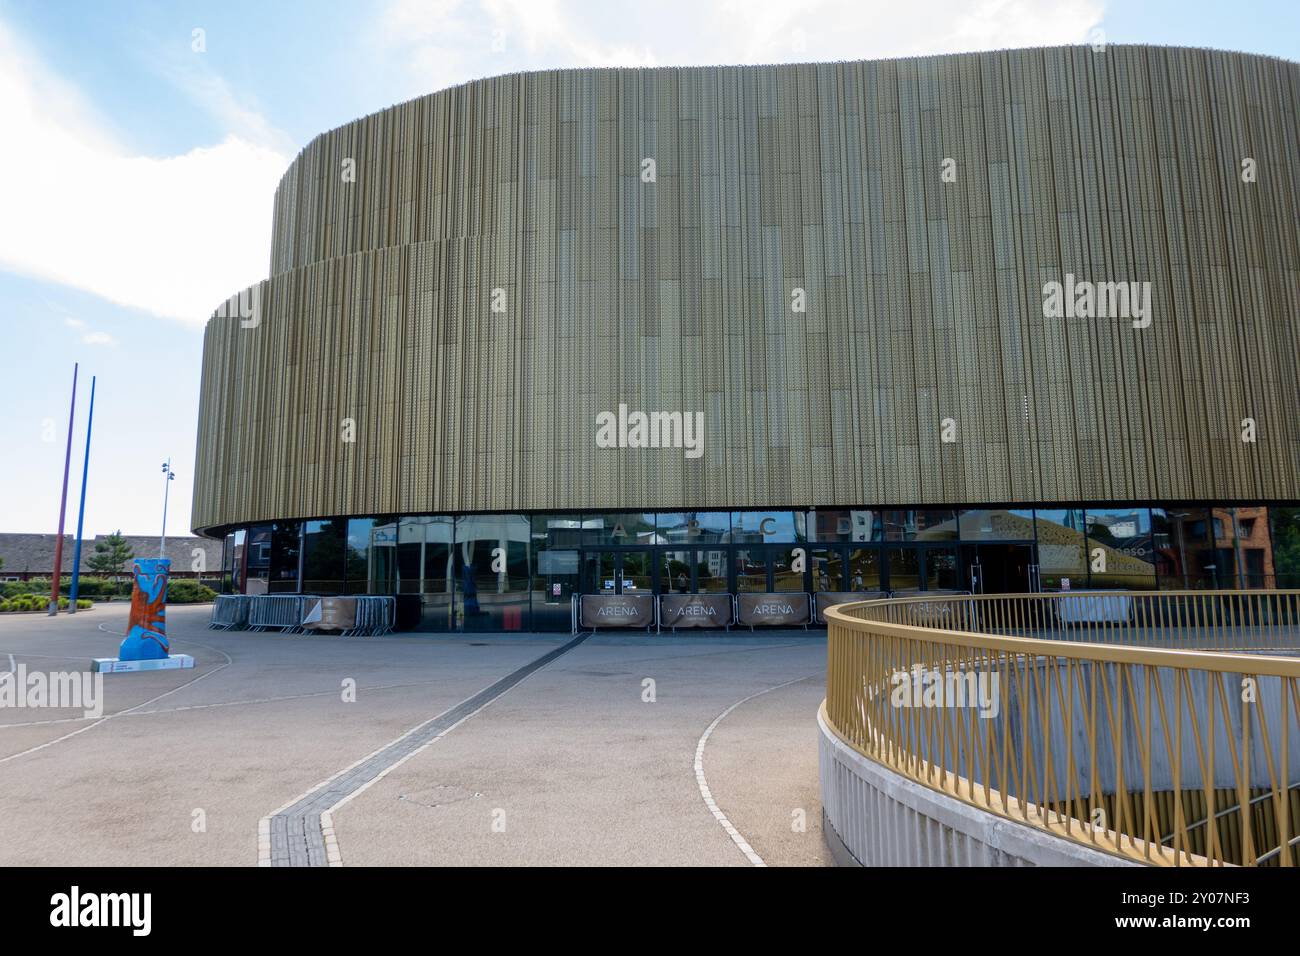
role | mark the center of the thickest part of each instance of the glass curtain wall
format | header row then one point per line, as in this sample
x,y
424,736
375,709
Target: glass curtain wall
x,y
520,572
556,556
492,572
424,568
323,544
370,556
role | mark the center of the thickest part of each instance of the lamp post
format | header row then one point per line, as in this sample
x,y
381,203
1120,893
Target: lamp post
x,y
170,477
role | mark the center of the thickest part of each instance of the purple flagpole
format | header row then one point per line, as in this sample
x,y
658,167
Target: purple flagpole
x,y
63,503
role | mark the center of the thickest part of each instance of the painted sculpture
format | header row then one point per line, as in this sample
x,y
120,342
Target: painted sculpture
x,y
146,639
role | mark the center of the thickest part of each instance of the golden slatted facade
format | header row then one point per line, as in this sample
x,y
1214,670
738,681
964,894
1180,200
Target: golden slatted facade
x,y
924,298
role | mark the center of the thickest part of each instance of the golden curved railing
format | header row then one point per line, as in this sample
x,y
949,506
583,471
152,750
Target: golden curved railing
x,y
1162,727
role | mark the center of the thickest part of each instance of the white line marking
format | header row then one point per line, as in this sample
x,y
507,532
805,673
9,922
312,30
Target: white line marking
x,y
703,784
223,703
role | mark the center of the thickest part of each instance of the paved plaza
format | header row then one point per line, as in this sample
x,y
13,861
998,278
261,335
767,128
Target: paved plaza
x,y
451,749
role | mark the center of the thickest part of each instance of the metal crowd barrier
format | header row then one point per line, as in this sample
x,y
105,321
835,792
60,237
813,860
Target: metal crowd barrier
x,y
773,609
276,612
594,611
229,612
695,611
375,616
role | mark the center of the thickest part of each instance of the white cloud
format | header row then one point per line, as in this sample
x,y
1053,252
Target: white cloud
x,y
89,336
766,30
449,42
173,236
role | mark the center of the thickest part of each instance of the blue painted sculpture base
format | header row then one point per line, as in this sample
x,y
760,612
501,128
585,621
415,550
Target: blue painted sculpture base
x,y
137,647
146,636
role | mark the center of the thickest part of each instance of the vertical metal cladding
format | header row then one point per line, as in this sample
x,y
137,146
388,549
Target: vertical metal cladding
x,y
924,297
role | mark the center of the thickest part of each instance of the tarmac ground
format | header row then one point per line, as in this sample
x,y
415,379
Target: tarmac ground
x,y
607,755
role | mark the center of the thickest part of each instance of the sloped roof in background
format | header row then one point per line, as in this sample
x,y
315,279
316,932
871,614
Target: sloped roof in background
x,y
35,552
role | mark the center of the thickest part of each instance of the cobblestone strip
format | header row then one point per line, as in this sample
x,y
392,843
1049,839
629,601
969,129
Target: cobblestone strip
x,y
301,833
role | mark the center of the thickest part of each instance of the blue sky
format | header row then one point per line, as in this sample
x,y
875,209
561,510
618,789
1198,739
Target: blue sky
x,y
137,172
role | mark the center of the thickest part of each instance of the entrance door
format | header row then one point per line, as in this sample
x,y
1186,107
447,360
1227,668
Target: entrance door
x,y
636,572
600,572
627,571
998,568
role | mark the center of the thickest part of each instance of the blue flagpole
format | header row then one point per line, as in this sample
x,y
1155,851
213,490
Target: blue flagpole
x,y
81,512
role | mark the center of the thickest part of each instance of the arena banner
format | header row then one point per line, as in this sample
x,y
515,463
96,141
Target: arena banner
x,y
773,610
695,610
825,599
618,610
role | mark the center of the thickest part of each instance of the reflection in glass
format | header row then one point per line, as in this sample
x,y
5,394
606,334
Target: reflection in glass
x,y
904,569
997,524
424,567
228,564
424,555
556,557
768,527
693,527
1121,553
371,556
600,572
619,528
322,556
751,570
638,572
1254,545
864,570
258,566
285,545
784,575
930,525
556,531
711,571
492,558
237,553
845,525
827,566
1061,549
941,573
674,572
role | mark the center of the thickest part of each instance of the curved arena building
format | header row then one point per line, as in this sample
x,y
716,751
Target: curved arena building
x,y
1024,320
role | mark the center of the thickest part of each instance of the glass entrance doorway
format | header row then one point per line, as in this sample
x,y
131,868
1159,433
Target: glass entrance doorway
x,y
623,571
692,570
999,568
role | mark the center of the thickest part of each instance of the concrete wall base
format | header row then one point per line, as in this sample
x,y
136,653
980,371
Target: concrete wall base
x,y
875,817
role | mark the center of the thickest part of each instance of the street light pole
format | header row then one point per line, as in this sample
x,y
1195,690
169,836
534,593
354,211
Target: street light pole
x,y
170,477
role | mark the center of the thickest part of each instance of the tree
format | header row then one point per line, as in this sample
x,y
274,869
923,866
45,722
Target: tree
x,y
1286,545
110,554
